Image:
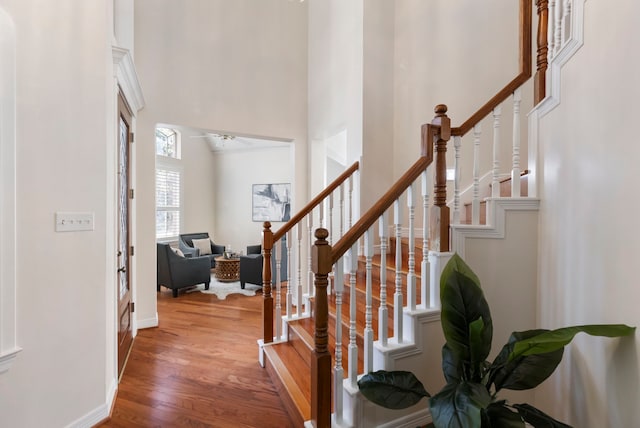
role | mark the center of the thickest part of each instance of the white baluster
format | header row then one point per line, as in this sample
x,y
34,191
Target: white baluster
x,y
411,275
368,315
338,371
515,171
278,311
353,347
495,183
424,266
289,286
299,293
330,240
383,311
397,297
557,28
457,143
311,291
350,219
551,39
341,210
475,203
566,21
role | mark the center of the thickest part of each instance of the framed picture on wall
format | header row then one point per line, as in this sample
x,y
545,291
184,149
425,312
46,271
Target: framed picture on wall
x,y
271,202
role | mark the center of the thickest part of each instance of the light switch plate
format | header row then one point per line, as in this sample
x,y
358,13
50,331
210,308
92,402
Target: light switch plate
x,y
74,221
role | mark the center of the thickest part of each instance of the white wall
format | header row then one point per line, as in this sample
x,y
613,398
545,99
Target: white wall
x,y
239,67
236,172
588,249
64,119
335,79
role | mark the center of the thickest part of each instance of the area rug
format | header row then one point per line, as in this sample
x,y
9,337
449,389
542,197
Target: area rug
x,y
223,289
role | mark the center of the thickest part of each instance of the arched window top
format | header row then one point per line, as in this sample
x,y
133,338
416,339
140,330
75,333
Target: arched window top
x,y
167,142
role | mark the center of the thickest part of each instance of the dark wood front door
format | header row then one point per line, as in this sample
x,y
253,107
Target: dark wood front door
x,y
125,336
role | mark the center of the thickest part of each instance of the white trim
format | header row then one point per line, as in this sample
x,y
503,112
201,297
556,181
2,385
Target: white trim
x,y
125,72
148,322
496,224
98,414
8,311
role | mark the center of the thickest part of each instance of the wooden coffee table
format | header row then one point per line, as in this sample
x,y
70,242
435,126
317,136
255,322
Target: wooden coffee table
x,y
227,270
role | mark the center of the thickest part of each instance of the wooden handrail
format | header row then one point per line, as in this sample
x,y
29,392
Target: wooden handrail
x,y
315,201
370,217
522,77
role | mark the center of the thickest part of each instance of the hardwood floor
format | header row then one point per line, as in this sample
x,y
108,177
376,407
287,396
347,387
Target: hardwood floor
x,y
199,368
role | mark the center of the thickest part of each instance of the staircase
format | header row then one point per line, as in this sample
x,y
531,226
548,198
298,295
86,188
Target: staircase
x,y
289,362
356,313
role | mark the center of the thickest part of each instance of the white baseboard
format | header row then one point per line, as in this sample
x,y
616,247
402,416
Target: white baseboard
x,y
147,322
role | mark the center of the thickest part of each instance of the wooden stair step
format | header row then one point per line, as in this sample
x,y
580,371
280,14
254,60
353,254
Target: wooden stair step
x,y
290,373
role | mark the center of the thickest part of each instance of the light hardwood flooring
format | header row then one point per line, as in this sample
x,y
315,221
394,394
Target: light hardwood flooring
x,y
199,368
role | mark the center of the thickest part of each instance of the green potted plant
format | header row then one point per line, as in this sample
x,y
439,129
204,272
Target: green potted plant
x,y
470,397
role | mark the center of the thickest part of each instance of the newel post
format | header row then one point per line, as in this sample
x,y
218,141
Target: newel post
x,y
539,82
267,301
439,218
321,358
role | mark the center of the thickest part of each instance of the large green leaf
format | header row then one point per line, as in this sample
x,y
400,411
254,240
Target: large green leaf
x,y
456,264
498,415
393,390
537,418
463,304
524,372
451,367
552,340
459,405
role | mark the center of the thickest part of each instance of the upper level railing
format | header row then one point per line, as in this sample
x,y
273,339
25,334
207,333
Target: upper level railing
x,y
297,287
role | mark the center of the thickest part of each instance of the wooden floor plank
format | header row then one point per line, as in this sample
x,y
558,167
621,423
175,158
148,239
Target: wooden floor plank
x,y
199,368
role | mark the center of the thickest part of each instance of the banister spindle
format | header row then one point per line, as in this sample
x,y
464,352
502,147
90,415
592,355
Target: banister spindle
x,y
290,281
267,299
310,278
368,328
338,370
515,170
383,311
566,21
278,310
330,239
424,266
557,29
475,202
307,310
495,183
411,274
551,33
321,358
542,60
342,214
457,143
398,295
353,347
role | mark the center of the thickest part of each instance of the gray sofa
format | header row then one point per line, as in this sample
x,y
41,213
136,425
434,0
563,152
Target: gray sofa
x,y
185,243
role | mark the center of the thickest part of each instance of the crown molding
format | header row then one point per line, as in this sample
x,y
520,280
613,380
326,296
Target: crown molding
x,y
125,73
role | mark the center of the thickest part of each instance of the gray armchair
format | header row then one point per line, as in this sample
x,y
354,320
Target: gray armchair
x,y
175,272
251,266
185,243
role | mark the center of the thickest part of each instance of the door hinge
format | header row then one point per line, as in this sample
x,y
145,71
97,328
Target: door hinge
x,y
130,193
132,137
131,251
133,306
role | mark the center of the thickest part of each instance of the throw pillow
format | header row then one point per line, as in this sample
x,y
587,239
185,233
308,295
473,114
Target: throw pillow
x,y
178,252
204,245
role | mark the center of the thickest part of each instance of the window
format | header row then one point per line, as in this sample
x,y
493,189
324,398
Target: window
x,y
168,184
167,143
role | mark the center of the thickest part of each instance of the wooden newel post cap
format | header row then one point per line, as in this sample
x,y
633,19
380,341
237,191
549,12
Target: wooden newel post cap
x,y
321,253
440,109
267,236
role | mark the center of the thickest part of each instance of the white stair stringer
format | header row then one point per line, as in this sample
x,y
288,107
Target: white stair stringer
x,y
420,355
